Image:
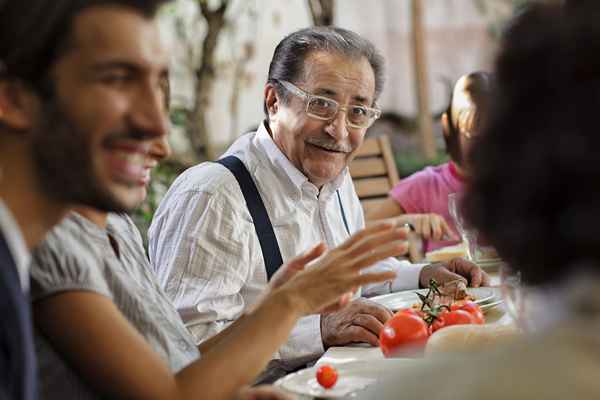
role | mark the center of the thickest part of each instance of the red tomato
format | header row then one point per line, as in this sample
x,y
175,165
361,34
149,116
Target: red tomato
x,y
475,312
411,311
403,332
457,317
327,376
438,323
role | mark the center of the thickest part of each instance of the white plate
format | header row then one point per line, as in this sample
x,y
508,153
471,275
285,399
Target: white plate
x,y
352,377
405,299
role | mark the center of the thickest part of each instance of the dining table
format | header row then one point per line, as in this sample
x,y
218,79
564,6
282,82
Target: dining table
x,y
367,365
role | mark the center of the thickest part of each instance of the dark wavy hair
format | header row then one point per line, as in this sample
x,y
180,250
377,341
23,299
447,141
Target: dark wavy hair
x,y
535,190
33,33
291,53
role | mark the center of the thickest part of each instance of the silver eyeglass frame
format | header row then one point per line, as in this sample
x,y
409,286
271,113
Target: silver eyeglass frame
x,y
372,113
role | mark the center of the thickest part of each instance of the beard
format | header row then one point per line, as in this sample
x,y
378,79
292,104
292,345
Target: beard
x,y
63,158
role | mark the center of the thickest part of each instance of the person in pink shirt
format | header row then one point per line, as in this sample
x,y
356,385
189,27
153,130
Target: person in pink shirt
x,y
422,198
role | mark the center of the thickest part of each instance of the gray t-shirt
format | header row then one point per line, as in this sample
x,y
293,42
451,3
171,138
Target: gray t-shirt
x,y
78,255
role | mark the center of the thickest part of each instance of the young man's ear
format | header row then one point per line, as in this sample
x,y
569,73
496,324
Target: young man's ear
x,y
18,105
445,125
271,100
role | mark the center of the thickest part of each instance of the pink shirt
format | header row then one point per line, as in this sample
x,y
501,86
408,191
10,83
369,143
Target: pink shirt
x,y
427,191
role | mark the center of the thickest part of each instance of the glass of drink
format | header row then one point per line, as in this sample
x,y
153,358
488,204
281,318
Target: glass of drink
x,y
467,234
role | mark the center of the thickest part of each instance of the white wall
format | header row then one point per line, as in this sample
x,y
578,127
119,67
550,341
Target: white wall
x,y
457,42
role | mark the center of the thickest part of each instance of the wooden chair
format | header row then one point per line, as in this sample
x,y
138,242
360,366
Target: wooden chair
x,y
373,171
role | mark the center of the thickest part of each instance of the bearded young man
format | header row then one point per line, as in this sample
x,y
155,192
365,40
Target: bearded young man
x,y
73,130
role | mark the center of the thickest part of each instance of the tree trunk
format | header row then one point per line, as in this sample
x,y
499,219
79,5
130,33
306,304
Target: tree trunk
x,y
421,81
321,11
205,77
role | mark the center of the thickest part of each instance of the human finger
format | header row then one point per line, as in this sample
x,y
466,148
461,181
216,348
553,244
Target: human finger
x,y
374,277
295,265
436,227
381,313
374,242
380,253
471,271
358,334
342,302
425,227
371,230
299,262
368,322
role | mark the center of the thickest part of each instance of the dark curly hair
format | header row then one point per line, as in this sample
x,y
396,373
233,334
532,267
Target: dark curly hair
x,y
535,189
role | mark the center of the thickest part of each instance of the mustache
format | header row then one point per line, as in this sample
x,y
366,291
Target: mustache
x,y
329,144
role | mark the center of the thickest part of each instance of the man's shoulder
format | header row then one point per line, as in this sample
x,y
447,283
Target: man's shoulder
x,y
207,177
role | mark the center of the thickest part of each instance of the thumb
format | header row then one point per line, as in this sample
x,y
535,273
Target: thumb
x,y
298,263
445,275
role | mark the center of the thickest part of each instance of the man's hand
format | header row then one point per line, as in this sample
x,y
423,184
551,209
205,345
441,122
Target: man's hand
x,y
334,275
359,322
428,226
262,392
457,268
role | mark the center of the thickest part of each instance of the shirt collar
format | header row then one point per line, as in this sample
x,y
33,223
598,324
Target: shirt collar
x,y
280,161
16,244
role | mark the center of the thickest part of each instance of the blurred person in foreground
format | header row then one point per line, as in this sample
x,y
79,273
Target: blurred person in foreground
x,y
535,195
214,258
106,330
57,146
422,198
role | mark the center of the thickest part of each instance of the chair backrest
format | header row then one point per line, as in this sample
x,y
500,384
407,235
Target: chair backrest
x,y
373,171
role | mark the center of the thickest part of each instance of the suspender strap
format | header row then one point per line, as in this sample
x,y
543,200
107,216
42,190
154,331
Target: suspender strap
x,y
343,212
262,223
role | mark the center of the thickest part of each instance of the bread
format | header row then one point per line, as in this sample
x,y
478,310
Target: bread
x,y
446,253
470,338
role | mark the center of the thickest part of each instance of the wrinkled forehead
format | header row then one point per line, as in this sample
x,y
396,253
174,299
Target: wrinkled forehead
x,y
339,74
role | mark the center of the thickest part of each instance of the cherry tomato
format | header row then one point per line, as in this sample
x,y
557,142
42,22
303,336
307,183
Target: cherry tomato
x,y
327,376
438,323
475,312
457,317
402,333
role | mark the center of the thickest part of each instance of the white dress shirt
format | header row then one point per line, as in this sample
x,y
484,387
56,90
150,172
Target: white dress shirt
x,y
206,253
16,244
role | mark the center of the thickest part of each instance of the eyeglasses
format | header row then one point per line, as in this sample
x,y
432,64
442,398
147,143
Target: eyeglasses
x,y
326,109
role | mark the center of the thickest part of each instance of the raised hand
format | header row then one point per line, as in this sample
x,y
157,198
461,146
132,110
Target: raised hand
x,y
335,274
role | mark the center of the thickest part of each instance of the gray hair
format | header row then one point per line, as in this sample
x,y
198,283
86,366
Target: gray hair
x,y
291,53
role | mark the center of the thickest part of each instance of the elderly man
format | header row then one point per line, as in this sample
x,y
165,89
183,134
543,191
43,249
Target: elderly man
x,y
214,245
73,127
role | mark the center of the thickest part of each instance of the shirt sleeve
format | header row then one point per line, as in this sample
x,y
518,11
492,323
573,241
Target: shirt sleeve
x,y
65,263
204,249
201,251
411,193
407,277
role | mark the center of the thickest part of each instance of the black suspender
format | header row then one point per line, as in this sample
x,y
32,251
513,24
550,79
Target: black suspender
x,y
343,212
262,222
